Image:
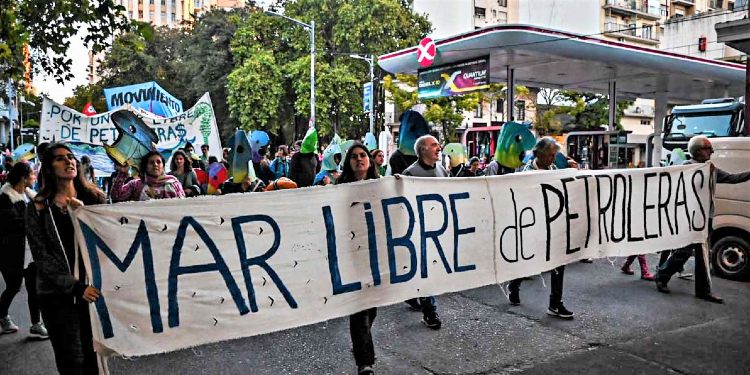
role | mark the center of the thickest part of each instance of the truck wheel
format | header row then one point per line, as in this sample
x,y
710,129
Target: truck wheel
x,y
731,258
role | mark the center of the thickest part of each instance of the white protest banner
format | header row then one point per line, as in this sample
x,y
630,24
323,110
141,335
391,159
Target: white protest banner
x,y
185,272
196,125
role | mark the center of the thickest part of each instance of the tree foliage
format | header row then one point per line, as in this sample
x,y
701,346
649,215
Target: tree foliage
x,y
83,94
46,26
342,27
590,111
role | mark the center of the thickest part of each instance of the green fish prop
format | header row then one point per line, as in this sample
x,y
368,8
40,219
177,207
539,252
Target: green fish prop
x,y
310,142
413,126
370,141
457,153
345,146
134,140
514,140
329,156
677,157
240,156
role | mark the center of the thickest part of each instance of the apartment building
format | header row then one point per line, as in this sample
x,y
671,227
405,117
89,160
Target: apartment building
x,y
168,13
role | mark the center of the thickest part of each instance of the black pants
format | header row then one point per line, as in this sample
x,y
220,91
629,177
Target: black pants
x,y
13,280
69,330
676,262
557,276
360,329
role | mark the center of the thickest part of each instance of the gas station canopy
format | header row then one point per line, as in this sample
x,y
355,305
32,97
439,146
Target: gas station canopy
x,y
550,58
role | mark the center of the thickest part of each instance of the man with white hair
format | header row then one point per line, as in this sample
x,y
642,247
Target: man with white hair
x,y
427,149
700,150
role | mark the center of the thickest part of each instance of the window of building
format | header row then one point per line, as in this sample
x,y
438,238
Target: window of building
x,y
198,4
646,32
645,122
494,13
163,2
480,12
499,106
478,111
151,15
174,17
140,14
521,110
502,3
730,5
150,1
664,11
502,17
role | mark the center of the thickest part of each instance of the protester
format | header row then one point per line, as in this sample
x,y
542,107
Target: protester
x,y
544,156
8,164
645,273
195,160
204,153
700,150
303,166
123,169
357,167
329,170
427,149
184,174
248,185
153,183
280,165
473,169
492,169
63,292
378,157
15,196
88,170
225,157
261,165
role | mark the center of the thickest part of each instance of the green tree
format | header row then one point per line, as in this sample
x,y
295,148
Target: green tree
x,y
46,26
343,27
590,111
90,93
258,72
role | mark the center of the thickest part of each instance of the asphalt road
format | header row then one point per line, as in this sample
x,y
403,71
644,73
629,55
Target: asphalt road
x,y
622,326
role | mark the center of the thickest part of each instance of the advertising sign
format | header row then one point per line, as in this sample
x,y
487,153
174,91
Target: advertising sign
x,y
367,96
458,78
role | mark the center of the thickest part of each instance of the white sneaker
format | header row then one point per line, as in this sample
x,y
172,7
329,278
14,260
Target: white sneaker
x,y
39,330
7,325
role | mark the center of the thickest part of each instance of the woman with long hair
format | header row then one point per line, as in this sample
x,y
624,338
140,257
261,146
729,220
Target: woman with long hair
x,y
15,196
358,166
63,292
153,183
180,169
378,157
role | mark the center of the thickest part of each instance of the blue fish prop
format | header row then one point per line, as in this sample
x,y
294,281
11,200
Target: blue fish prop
x,y
413,126
258,139
561,161
240,157
370,141
513,142
329,156
134,140
24,152
345,146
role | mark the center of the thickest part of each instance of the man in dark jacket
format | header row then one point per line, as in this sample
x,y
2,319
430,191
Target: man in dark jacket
x,y
700,149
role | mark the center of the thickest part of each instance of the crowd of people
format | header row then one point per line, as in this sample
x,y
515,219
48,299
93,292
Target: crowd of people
x,y
59,293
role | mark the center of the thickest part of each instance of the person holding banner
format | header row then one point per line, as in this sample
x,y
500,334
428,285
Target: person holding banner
x,y
545,151
700,149
358,167
153,184
15,196
184,174
63,292
428,150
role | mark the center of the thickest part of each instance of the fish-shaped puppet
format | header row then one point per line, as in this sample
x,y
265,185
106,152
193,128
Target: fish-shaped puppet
x,y
370,141
677,157
217,174
258,139
310,142
24,152
457,153
345,146
513,142
134,140
413,126
329,157
240,157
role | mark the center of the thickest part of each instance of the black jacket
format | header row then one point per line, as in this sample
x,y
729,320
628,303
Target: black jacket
x,y
13,227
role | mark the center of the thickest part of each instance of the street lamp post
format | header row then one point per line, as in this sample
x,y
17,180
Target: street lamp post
x,y
370,60
311,29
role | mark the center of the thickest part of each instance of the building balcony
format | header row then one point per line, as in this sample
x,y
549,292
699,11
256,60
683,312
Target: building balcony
x,y
630,8
645,35
686,3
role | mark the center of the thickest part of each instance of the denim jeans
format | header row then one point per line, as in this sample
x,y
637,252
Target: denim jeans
x,y
677,260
